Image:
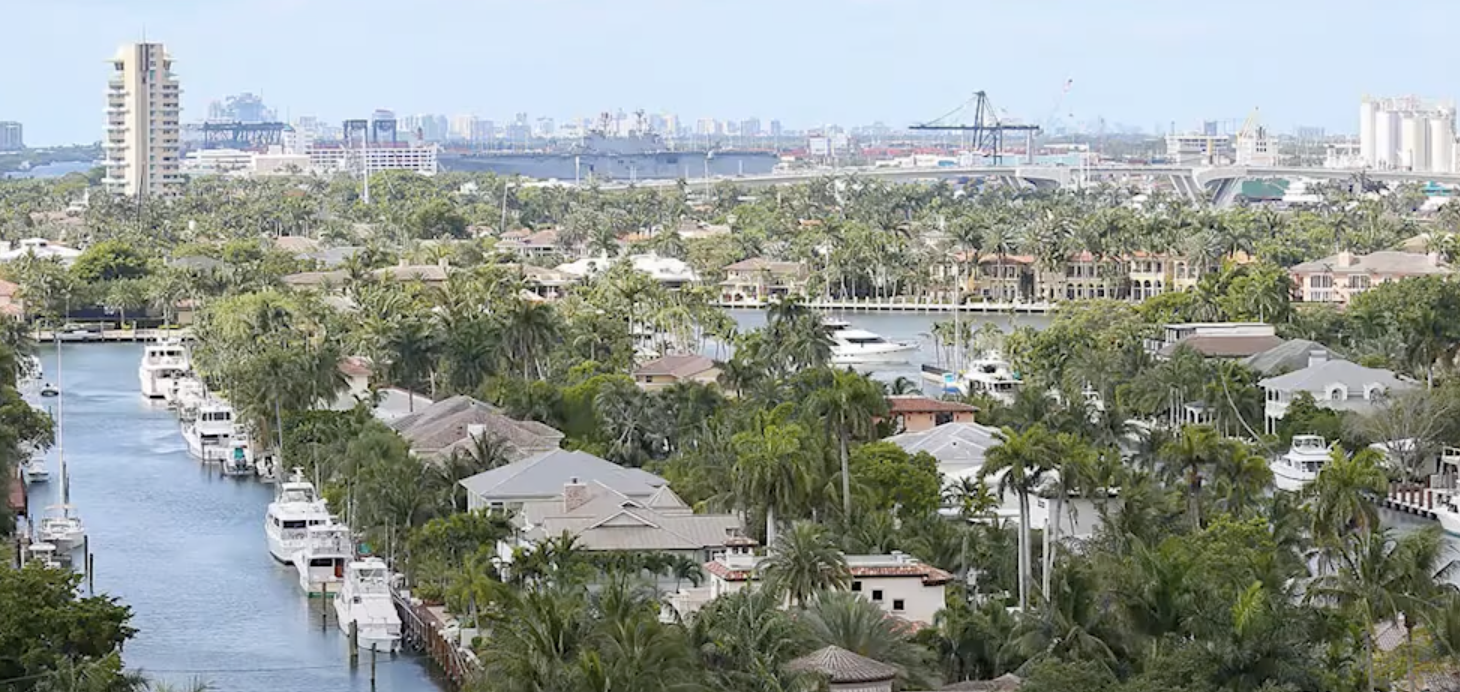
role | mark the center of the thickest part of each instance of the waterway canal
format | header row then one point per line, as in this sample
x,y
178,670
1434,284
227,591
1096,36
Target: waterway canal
x,y
184,547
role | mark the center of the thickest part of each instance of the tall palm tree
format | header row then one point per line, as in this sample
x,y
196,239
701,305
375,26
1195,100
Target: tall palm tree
x,y
846,620
771,472
1020,461
849,404
1341,494
1196,450
528,331
804,561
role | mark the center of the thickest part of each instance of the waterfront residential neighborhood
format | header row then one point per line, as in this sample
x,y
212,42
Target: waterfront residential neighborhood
x,y
1006,399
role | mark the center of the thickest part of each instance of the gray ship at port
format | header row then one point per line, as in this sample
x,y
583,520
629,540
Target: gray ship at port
x,y
636,156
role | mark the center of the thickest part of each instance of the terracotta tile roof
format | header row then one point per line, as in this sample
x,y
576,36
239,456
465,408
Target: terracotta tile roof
x,y
16,497
355,366
8,289
913,403
1016,259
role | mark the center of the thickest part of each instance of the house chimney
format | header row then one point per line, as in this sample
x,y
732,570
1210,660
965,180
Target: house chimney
x,y
403,263
1345,258
1317,357
443,262
476,430
575,494
1434,258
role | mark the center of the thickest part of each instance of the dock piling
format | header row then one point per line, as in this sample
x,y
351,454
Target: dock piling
x,y
372,666
90,573
324,611
354,643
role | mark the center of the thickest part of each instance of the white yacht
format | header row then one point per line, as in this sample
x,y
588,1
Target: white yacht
x,y
286,523
851,346
61,528
163,363
35,470
1305,458
321,563
210,434
364,599
50,390
186,394
44,554
991,375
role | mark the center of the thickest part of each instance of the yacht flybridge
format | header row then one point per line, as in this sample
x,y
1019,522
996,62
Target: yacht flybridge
x,y
328,548
1300,466
163,363
852,346
294,510
991,375
212,434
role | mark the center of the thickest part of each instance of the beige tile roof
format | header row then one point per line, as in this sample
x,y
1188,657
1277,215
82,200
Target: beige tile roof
x,y
676,366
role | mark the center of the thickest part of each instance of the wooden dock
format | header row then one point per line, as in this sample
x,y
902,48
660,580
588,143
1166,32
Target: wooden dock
x,y
423,628
1417,501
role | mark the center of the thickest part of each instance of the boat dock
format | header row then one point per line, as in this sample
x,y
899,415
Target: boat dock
x,y
1417,501
911,306
110,335
424,629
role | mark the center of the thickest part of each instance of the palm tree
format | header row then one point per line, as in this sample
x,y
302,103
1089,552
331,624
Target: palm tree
x,y
745,638
1196,450
771,472
1341,494
1071,467
527,333
846,620
1020,461
850,403
803,562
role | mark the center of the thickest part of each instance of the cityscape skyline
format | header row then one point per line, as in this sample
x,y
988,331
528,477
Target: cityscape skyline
x,y
806,64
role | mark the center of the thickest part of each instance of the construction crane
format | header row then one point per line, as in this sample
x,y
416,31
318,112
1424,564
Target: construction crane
x,y
1055,118
987,131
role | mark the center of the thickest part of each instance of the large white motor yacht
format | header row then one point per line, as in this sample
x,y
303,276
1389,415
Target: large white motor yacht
x,y
163,363
321,563
286,523
1305,458
61,528
851,346
186,394
210,433
364,599
991,375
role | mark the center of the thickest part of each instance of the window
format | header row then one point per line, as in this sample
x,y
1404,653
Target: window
x,y
856,587
1320,281
897,605
1337,393
877,595
1358,282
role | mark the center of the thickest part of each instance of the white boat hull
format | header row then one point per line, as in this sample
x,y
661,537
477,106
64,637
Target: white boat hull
x,y
36,473
894,353
283,549
1449,521
153,387
63,539
379,625
218,452
1285,477
316,581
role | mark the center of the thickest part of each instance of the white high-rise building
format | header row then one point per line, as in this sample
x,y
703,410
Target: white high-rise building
x,y
142,128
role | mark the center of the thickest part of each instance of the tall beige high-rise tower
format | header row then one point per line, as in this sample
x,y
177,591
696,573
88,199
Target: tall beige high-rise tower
x,y
142,149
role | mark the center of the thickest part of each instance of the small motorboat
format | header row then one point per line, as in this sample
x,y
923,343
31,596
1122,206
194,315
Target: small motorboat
x,y
364,599
49,389
35,470
44,554
63,530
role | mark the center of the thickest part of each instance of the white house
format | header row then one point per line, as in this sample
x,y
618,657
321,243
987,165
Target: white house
x,y
41,249
671,272
1335,384
901,585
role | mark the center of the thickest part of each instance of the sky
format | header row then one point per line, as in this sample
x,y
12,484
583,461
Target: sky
x,y
806,62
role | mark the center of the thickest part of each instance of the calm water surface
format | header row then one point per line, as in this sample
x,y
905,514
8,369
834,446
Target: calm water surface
x,y
184,547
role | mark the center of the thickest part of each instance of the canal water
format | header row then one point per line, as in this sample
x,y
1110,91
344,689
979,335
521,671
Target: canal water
x,y
916,327
184,547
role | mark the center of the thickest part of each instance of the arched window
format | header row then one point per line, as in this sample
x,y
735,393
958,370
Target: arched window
x,y
1337,392
1374,392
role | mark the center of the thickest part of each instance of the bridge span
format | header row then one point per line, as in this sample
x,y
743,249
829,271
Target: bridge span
x,y
1217,184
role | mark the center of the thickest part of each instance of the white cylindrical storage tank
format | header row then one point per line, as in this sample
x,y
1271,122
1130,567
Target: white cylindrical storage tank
x,y
1442,143
1386,138
1414,151
1367,110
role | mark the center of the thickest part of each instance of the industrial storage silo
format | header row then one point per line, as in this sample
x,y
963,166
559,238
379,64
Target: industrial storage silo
x,y
1386,138
1414,150
1368,108
1442,142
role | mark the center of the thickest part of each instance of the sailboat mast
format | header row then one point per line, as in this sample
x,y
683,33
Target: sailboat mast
x,y
61,424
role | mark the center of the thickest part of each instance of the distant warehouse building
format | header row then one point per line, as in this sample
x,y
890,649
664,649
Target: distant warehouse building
x,y
375,156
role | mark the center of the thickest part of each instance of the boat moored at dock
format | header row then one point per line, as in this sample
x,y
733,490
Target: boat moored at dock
x,y
210,434
364,600
328,548
288,518
1300,466
163,364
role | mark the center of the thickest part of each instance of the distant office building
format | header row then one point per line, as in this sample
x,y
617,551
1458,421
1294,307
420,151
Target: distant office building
x,y
1209,128
334,158
460,128
1199,149
142,130
242,108
707,126
12,136
775,128
750,127
483,131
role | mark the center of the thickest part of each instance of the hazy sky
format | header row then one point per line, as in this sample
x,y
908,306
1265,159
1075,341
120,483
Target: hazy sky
x,y
806,62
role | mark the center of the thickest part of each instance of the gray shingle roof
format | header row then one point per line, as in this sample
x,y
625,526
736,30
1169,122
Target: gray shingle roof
x,y
1382,262
843,667
1223,345
542,476
1319,377
958,445
1285,357
444,426
611,520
